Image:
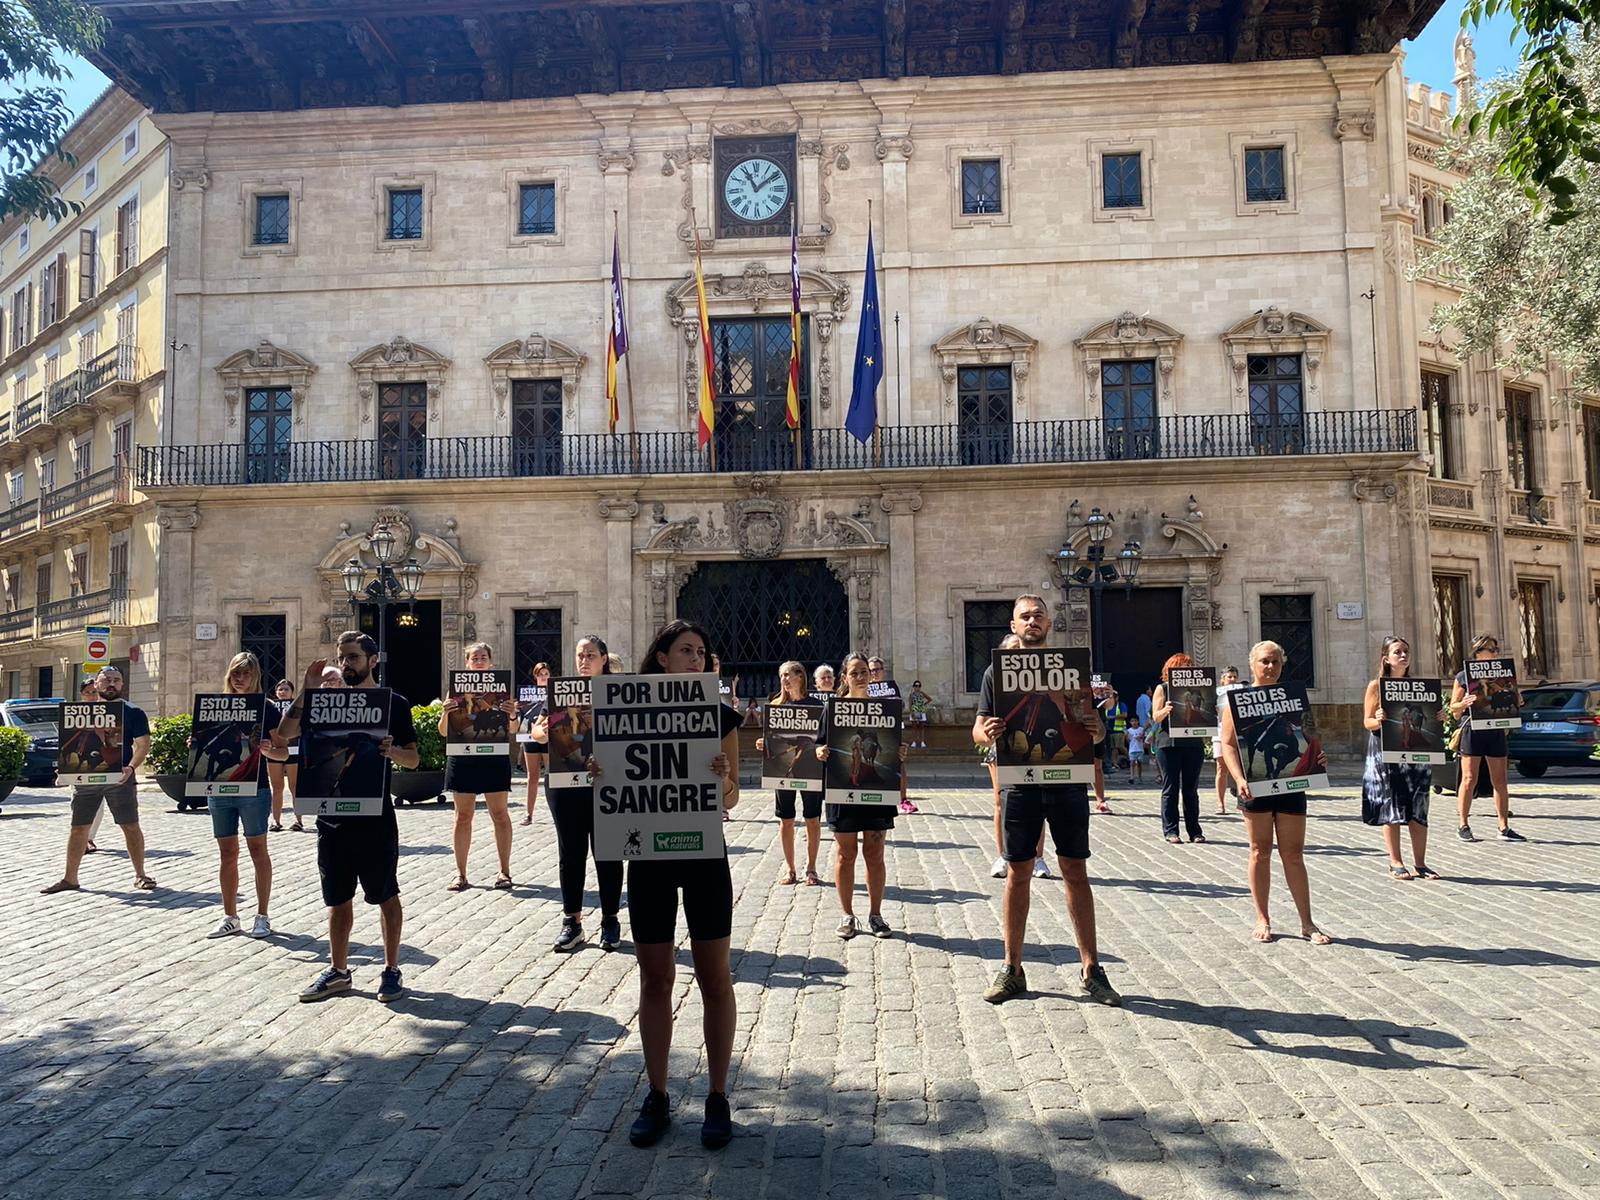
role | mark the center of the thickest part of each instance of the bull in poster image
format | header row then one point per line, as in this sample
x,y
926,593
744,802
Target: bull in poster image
x,y
225,745
1496,678
570,718
1413,721
1046,700
480,725
1278,742
863,764
789,759
343,771
91,743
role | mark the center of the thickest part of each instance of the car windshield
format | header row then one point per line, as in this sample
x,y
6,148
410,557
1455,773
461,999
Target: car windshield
x,y
1551,699
36,720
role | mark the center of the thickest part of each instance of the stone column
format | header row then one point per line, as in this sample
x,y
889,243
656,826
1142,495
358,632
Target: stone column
x,y
618,512
902,507
175,584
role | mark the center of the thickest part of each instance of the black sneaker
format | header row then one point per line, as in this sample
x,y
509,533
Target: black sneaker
x,y
1008,982
653,1120
1509,834
571,937
717,1129
1098,987
610,933
1465,834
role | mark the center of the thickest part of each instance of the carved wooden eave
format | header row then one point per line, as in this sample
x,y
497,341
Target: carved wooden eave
x,y
986,342
399,360
535,357
266,366
278,55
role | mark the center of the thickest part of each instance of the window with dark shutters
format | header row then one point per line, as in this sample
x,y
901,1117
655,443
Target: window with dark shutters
x,y
88,264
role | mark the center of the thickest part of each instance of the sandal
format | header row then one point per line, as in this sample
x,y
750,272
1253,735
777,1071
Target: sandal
x,y
144,883
459,884
297,827
1263,933
1199,837
812,879
1175,840
788,876
91,848
1316,937
1398,871
276,827
502,883
61,885
1421,872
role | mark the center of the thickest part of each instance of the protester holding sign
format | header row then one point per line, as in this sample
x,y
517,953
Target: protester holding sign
x,y
233,735
883,686
566,728
356,849
793,728
1224,782
864,762
476,721
1030,806
655,881
121,797
288,770
1272,810
1183,715
531,702
1396,793
1487,701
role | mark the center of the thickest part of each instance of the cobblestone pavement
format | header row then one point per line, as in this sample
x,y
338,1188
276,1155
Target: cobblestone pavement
x,y
1447,1046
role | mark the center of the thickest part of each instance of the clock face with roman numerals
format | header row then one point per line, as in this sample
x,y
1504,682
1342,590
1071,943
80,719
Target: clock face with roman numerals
x,y
756,189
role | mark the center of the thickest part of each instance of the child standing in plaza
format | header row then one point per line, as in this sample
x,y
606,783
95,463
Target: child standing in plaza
x,y
1136,737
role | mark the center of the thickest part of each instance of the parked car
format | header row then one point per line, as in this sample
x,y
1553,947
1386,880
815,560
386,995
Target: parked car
x,y
1560,727
37,719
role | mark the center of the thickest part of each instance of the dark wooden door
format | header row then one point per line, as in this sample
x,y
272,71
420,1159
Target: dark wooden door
x,y
536,426
1140,629
750,378
402,430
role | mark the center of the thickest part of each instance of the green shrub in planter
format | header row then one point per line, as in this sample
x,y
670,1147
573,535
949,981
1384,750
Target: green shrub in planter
x,y
169,745
14,744
430,744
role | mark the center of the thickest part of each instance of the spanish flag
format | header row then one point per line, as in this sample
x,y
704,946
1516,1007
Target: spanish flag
x,y
708,409
792,408
616,335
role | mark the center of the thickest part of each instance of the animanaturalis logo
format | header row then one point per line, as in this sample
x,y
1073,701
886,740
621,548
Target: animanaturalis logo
x,y
680,843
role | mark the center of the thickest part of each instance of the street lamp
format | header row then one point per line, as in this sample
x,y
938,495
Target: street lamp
x,y
1093,571
388,587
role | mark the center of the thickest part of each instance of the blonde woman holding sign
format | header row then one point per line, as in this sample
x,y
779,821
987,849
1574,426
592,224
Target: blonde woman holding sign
x,y
706,884
1271,818
792,690
228,813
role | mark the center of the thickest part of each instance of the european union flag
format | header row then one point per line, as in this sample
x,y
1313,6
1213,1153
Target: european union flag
x,y
862,418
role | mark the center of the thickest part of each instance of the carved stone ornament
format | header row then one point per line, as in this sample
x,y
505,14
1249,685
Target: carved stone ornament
x,y
899,146
1273,331
1355,122
1125,337
196,177
534,357
984,341
758,526
266,366
609,157
398,360
448,577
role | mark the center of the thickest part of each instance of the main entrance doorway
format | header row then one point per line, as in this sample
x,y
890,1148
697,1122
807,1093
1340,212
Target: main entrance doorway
x,y
414,647
760,614
1141,629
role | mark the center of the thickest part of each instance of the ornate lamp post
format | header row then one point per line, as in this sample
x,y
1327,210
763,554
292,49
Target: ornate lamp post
x,y
1096,569
390,586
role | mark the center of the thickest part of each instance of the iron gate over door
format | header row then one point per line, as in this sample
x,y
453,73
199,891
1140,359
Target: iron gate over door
x,y
760,614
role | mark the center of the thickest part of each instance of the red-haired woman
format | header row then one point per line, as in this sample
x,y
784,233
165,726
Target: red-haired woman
x,y
1180,760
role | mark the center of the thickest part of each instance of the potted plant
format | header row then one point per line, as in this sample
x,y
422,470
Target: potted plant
x,y
14,746
427,781
168,759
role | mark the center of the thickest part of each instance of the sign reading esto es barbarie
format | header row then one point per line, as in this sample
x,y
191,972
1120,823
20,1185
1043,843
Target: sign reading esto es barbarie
x,y
1045,699
656,796
225,745
1278,743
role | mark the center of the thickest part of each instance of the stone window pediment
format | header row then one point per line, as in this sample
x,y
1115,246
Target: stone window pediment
x,y
398,360
986,341
1129,337
534,357
265,366
1273,331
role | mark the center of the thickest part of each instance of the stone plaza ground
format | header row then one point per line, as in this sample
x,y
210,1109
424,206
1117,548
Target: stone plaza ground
x,y
1448,1045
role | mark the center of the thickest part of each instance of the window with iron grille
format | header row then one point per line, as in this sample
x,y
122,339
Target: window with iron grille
x,y
266,637
42,584
536,209
1531,612
980,186
1591,448
1120,181
536,638
1288,620
1264,178
272,221
985,625
983,414
1277,403
268,434
1519,439
1436,418
405,214
1128,407
117,571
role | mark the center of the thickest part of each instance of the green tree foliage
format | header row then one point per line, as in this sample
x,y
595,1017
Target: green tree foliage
x,y
34,36
1530,285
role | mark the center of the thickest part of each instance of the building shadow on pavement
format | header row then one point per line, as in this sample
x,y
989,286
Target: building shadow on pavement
x,y
1542,885
1493,956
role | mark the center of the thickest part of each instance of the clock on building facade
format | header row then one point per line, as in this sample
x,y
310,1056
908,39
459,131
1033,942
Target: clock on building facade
x,y
756,187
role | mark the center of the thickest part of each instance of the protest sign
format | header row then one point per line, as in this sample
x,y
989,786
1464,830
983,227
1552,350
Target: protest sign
x,y
789,758
1278,743
530,707
571,724
1497,679
655,796
1046,700
1413,721
480,726
863,764
342,769
225,745
91,743
1192,692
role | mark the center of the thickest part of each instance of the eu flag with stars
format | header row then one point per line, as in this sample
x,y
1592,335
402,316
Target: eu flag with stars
x,y
862,418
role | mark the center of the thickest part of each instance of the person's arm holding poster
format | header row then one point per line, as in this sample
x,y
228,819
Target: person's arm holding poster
x,y
1228,748
289,724
139,732
400,747
726,764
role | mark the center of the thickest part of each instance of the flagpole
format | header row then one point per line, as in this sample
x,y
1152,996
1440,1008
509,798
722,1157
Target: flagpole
x,y
705,341
877,425
627,365
794,233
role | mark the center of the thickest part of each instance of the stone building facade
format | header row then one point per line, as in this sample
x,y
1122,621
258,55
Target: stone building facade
x,y
82,382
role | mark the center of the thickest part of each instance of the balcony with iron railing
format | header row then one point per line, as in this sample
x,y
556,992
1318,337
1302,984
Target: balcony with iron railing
x,y
21,518
1025,443
116,368
109,605
30,414
96,491
16,626
64,396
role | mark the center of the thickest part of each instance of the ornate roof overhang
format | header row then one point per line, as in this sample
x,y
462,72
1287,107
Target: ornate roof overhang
x,y
265,55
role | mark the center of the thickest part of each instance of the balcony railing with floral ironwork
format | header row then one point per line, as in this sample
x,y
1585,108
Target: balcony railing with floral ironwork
x,y
1444,493
116,365
5,426
16,626
61,616
112,485
1229,436
19,519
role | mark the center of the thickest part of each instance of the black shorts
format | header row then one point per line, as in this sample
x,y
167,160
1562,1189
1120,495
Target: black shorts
x,y
811,804
1289,806
653,887
477,776
1065,807
364,850
1489,743
860,818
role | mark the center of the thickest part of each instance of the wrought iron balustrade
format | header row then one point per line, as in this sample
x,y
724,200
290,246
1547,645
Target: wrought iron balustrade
x,y
30,413
1025,443
116,365
16,626
64,394
112,485
18,519
109,604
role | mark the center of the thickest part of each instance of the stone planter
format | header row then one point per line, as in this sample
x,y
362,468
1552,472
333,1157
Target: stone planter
x,y
415,787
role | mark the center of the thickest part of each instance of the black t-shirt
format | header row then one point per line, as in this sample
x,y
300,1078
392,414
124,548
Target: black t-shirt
x,y
1043,791
404,732
135,724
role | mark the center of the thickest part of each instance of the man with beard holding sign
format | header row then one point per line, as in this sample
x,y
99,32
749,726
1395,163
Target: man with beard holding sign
x,y
1028,808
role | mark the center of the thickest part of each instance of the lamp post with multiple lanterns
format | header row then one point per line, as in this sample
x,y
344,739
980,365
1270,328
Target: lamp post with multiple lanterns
x,y
1095,569
391,585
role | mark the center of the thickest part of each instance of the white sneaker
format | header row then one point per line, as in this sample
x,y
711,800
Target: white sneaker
x,y
261,927
998,871
1041,869
226,928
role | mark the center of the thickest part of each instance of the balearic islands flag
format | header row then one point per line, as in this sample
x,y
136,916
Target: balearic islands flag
x,y
616,335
